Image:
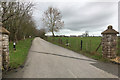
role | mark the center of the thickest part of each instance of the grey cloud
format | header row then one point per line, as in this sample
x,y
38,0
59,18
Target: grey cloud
x,y
92,16
78,22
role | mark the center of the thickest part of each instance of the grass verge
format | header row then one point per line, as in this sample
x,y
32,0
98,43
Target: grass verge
x,y
18,57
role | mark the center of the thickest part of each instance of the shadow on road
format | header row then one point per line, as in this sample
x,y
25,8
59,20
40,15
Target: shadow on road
x,y
64,56
108,67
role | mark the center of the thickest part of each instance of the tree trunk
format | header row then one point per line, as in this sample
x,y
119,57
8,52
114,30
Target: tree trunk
x,y
15,37
53,34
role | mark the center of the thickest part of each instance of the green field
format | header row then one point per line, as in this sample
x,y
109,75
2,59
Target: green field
x,y
18,57
89,47
89,43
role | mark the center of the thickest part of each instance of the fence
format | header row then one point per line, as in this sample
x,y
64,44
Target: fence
x,y
86,44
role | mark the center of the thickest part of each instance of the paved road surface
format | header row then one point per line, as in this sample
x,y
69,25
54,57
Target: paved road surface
x,y
46,60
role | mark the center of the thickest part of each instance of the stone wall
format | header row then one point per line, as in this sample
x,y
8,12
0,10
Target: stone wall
x,y
4,47
0,52
5,51
109,42
0,55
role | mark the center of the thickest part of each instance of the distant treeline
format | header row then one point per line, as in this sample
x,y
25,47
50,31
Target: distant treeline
x,y
71,36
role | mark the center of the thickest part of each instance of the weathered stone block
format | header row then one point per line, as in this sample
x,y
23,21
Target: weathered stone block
x,y
5,43
0,37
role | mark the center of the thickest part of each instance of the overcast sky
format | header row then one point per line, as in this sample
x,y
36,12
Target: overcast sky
x,y
79,17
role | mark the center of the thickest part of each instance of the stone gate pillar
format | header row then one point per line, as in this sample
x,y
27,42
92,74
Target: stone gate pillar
x,y
0,53
109,42
4,41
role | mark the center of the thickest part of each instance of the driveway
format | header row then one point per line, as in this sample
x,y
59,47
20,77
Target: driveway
x,y
46,60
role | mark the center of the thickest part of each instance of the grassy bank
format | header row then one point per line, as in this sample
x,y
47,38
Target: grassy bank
x,y
18,57
89,47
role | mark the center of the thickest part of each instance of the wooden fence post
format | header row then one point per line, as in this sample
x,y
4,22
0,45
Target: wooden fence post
x,y
61,41
90,46
81,44
98,47
67,43
86,46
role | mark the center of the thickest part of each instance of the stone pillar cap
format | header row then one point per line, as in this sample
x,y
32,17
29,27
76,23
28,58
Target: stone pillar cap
x,y
4,31
110,30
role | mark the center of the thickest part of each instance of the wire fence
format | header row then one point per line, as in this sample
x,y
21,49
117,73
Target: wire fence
x,y
86,44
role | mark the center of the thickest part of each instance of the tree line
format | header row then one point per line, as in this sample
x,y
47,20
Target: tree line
x,y
17,19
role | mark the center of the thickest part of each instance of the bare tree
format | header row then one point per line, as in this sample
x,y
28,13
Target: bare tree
x,y
86,33
52,20
17,18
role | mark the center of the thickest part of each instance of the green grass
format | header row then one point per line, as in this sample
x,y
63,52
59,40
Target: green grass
x,y
18,57
90,45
